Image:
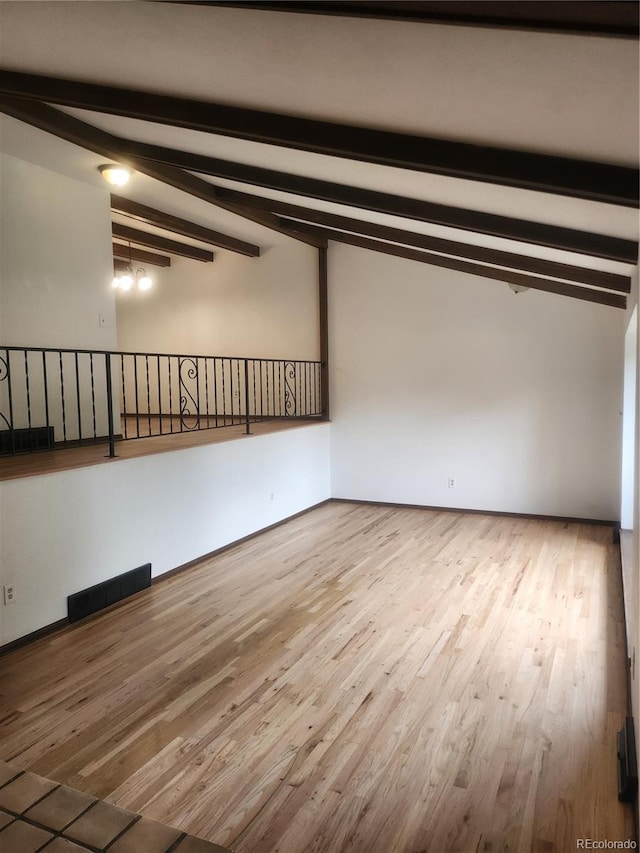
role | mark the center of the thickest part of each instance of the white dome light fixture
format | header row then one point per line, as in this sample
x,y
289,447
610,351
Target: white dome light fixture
x,y
114,174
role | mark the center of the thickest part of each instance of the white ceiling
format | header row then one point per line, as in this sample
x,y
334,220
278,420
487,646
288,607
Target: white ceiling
x,y
557,94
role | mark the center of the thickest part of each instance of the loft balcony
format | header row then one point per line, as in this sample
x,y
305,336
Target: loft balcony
x,y
65,408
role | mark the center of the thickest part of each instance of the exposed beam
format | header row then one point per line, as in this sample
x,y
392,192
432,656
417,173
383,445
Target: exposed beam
x,y
495,257
559,287
610,18
121,251
153,241
567,239
210,193
120,265
112,147
541,172
168,222
410,208
258,210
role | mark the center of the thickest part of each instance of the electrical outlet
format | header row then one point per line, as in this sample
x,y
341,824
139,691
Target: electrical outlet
x,y
102,321
9,592
271,496
451,482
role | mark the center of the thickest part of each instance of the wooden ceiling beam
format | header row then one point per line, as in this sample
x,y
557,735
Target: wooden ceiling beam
x,y
495,257
81,133
153,241
257,209
609,18
210,193
151,216
568,239
491,164
508,276
140,255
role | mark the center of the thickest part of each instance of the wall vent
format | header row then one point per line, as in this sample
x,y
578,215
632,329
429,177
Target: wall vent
x,y
24,440
97,597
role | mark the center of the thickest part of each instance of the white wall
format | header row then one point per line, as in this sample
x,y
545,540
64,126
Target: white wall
x,y
256,307
94,523
435,374
55,260
56,270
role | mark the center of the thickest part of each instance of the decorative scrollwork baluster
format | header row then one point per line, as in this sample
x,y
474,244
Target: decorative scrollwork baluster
x,y
188,373
290,403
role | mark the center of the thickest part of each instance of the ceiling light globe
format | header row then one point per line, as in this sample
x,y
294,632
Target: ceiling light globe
x,y
126,282
115,175
145,283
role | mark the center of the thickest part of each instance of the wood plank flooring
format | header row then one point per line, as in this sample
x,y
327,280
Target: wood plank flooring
x,y
365,679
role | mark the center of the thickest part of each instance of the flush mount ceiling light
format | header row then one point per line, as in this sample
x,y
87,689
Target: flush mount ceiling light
x,y
114,174
518,288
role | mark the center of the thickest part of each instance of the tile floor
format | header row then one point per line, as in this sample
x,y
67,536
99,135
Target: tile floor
x,y
37,814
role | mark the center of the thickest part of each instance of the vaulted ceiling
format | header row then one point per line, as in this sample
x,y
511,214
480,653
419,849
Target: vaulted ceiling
x,y
456,135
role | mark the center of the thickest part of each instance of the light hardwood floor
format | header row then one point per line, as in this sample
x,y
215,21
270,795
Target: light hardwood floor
x,y
365,679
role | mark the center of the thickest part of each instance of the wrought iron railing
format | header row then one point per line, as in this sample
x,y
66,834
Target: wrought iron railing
x,y
56,398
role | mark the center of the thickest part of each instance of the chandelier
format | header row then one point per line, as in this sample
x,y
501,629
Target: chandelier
x,y
127,278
